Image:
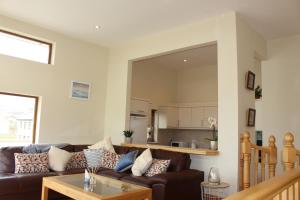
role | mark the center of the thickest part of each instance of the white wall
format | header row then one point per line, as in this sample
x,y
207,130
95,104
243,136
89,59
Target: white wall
x,y
198,84
221,29
61,119
281,91
155,83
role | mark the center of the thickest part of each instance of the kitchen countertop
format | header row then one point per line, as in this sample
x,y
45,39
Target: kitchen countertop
x,y
205,152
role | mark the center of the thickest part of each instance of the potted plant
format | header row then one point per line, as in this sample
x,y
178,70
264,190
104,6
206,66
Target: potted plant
x,y
214,141
128,136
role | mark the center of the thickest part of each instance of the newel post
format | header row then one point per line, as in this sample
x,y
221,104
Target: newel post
x,y
272,156
289,152
246,156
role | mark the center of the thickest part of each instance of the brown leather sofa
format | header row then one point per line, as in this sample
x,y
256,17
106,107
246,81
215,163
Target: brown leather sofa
x,y
178,183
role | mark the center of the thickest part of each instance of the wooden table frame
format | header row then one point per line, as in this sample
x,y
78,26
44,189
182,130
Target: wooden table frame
x,y
77,193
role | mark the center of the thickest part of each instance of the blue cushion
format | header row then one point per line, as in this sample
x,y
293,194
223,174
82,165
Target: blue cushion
x,y
126,161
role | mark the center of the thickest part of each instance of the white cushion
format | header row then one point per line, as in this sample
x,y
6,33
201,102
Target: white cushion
x,y
142,163
105,144
58,158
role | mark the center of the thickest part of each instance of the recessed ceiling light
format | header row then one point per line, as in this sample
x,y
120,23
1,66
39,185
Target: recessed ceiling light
x,y
184,60
97,27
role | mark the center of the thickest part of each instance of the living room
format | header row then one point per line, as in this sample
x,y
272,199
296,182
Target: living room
x,y
98,54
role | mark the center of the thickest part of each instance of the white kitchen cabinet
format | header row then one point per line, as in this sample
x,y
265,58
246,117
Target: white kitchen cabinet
x,y
197,117
168,117
185,117
140,107
209,111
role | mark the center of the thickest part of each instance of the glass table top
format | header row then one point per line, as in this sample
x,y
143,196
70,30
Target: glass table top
x,y
103,186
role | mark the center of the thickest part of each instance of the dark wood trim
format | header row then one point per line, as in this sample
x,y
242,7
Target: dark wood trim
x,y
32,39
36,99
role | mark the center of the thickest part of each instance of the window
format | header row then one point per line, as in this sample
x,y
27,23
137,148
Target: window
x,y
21,46
18,115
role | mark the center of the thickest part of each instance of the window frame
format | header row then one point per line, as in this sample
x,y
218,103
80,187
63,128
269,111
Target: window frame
x,y
35,115
32,39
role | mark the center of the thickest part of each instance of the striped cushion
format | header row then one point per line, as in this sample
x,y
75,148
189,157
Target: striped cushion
x,y
93,157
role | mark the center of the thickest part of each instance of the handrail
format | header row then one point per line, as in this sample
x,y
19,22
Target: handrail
x,y
268,157
283,187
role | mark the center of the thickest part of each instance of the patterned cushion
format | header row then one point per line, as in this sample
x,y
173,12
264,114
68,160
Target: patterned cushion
x,y
31,163
109,159
77,161
157,167
93,157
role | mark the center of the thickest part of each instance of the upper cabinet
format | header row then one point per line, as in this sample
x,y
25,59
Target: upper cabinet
x,y
140,107
168,117
187,117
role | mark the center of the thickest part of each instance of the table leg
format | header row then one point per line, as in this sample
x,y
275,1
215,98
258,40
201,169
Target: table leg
x,y
44,193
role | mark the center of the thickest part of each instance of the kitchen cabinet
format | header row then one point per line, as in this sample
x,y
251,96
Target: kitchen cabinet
x,y
168,117
185,117
140,107
197,116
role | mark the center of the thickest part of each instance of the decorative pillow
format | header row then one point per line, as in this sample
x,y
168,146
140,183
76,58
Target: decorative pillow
x,y
109,159
157,167
58,158
126,161
31,163
93,157
142,163
105,144
77,161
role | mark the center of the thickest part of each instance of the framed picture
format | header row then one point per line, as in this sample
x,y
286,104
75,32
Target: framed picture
x,y
251,117
80,90
250,80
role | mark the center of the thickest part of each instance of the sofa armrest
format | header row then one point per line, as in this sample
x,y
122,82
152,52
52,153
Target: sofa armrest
x,y
182,176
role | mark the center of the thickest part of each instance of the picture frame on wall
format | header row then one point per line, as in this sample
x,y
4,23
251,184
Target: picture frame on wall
x,y
80,90
250,80
251,117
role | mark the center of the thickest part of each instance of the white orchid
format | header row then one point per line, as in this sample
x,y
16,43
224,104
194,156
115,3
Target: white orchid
x,y
212,122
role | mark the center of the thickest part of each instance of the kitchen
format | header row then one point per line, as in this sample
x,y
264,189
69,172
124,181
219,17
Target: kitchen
x,y
173,98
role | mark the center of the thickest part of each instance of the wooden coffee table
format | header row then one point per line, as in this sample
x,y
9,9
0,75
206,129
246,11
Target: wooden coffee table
x,y
105,188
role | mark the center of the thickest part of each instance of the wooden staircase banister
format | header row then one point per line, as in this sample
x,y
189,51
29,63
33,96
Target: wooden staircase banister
x,y
279,187
268,156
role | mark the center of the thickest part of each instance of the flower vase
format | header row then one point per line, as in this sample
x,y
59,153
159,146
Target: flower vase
x,y
128,140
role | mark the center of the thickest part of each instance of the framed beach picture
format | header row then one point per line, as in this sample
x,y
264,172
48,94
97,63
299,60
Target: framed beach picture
x,y
80,90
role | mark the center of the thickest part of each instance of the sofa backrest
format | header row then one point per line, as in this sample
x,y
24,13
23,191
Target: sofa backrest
x,y
179,161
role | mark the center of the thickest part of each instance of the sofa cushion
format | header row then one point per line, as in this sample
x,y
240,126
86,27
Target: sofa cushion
x,y
179,161
142,163
31,163
93,157
105,144
7,159
70,171
58,158
126,161
121,149
76,161
157,167
80,147
109,159
142,180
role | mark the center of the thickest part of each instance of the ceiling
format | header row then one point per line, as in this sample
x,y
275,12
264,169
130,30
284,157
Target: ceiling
x,y
121,20
197,57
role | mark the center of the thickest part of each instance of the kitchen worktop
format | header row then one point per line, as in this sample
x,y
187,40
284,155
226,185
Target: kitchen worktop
x,y
205,152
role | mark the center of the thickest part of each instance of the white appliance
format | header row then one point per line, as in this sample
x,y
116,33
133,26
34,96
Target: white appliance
x,y
139,124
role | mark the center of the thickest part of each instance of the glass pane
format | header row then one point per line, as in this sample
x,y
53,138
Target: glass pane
x,y
102,186
16,120
12,45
